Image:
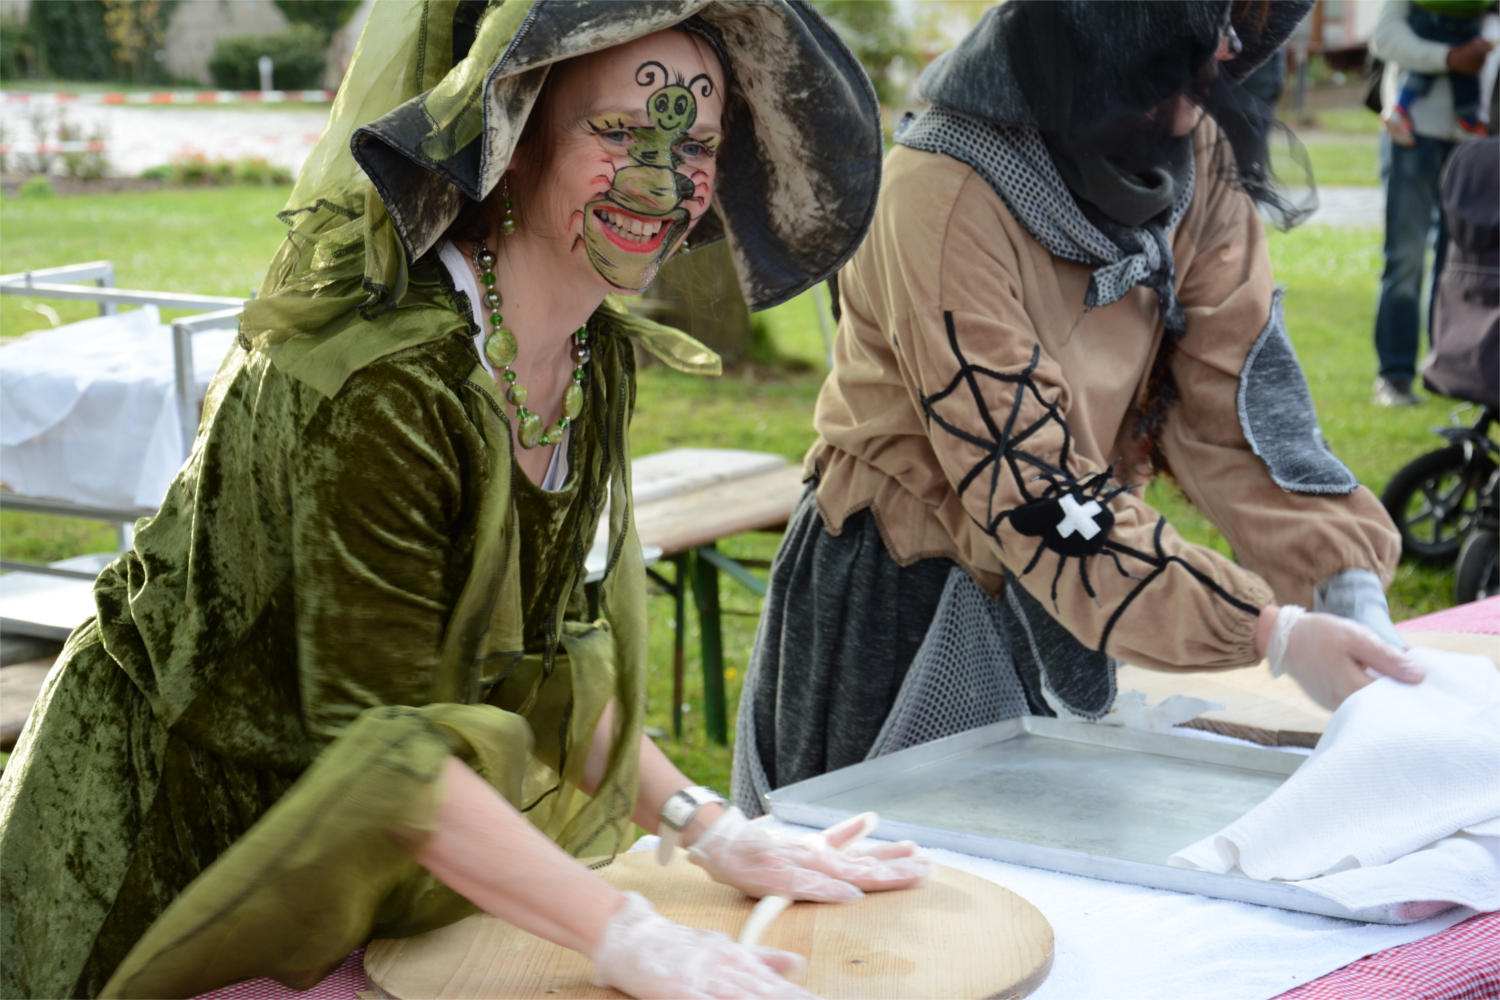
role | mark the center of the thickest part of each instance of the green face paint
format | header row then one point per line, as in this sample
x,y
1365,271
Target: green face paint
x,y
629,232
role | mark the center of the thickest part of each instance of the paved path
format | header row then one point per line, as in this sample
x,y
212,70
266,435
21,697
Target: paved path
x,y
1349,206
147,137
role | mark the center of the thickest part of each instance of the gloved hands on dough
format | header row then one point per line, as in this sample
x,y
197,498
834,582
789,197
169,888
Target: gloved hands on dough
x,y
646,955
760,862
1331,657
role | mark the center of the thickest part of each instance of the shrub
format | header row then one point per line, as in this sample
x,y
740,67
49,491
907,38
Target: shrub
x,y
260,172
197,170
85,166
36,187
137,31
297,54
325,15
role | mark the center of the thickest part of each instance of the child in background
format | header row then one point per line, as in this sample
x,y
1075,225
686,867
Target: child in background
x,y
1452,22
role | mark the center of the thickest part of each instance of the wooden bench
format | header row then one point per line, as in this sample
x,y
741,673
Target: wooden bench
x,y
686,500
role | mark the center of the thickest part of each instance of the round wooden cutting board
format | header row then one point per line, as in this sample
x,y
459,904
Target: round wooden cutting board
x,y
958,936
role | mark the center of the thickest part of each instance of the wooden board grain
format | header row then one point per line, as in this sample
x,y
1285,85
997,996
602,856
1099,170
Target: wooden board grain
x,y
1266,709
959,936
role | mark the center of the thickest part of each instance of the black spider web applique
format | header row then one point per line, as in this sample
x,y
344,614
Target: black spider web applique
x,y
1067,514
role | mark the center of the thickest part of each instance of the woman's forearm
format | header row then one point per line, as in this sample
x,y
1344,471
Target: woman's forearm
x,y
659,781
487,852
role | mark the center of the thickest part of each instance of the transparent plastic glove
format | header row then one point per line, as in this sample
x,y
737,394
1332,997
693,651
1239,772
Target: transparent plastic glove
x,y
1330,657
646,955
759,863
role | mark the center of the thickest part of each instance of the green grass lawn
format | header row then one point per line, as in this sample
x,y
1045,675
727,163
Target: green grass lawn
x,y
1337,161
218,241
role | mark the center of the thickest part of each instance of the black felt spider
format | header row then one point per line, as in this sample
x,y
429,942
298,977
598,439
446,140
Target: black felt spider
x,y
1073,519
1069,516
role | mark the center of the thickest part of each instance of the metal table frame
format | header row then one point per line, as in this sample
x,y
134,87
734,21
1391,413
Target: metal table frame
x,y
60,283
697,570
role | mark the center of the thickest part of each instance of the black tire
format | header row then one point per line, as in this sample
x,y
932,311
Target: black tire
x,y
1432,500
1477,573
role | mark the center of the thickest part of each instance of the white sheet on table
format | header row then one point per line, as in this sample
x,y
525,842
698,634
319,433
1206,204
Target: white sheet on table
x,y
1400,802
88,411
1126,942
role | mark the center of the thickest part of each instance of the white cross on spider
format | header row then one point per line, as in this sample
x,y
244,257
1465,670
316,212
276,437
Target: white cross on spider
x,y
1078,517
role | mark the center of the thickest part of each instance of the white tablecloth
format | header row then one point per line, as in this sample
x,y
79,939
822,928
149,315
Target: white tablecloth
x,y
88,411
1125,942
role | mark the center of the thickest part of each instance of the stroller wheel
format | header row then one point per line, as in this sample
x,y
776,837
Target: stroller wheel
x,y
1432,500
1477,573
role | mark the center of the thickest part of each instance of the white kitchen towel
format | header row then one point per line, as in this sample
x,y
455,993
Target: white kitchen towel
x,y
88,411
1399,803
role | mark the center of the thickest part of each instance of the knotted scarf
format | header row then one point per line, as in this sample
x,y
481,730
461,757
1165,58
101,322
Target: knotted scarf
x,y
1014,160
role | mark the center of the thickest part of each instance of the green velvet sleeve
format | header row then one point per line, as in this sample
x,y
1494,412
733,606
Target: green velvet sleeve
x,y
384,479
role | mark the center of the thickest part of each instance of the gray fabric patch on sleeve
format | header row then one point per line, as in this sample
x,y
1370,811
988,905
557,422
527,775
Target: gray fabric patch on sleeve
x,y
1277,416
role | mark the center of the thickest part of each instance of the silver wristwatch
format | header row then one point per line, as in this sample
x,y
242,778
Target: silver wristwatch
x,y
677,812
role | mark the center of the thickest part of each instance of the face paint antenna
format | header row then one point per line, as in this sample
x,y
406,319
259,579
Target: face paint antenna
x,y
645,75
708,85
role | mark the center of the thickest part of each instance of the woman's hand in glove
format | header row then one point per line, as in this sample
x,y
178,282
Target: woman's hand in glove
x,y
759,862
1330,657
646,955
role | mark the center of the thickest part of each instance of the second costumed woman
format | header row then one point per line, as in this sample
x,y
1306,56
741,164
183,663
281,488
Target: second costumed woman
x,y
1066,290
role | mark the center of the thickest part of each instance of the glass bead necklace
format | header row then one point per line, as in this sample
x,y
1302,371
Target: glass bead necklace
x,y
500,348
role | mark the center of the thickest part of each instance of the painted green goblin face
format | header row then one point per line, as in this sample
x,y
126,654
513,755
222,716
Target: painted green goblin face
x,y
634,226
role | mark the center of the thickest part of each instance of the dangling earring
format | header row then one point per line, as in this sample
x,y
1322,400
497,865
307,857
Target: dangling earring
x,y
508,220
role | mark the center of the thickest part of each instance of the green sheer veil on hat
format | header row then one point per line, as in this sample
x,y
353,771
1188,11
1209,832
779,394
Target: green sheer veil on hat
x,y
433,105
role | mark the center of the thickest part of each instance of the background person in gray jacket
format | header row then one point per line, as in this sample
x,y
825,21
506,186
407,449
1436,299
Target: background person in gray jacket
x,y
1410,174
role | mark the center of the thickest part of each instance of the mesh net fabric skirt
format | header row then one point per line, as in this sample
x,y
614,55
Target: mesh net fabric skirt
x,y
857,657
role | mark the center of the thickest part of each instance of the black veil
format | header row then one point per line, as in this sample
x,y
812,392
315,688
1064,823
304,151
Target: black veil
x,y
1097,78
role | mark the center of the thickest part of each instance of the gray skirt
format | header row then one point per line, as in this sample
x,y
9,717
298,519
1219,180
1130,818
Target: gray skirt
x,y
857,656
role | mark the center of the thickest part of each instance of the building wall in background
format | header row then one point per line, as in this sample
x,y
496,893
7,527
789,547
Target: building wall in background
x,y
341,50
197,25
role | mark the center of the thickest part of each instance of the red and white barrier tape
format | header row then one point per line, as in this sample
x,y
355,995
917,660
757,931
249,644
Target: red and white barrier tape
x,y
53,147
173,97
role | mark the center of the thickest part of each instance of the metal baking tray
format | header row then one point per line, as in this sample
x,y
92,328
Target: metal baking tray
x,y
1072,797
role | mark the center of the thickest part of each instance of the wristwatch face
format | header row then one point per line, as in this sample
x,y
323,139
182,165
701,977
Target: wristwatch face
x,y
678,810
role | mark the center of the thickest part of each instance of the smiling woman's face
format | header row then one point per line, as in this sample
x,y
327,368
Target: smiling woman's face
x,y
634,131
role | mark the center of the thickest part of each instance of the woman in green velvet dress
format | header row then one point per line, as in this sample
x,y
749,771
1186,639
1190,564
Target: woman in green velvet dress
x,y
348,684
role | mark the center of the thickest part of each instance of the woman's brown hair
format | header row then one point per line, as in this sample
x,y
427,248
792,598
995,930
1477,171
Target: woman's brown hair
x,y
531,159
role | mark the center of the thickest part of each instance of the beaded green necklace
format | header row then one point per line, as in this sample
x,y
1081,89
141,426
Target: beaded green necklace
x,y
500,348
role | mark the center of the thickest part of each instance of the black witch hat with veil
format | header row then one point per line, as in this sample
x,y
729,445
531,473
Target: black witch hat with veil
x,y
1088,74
433,107
1070,110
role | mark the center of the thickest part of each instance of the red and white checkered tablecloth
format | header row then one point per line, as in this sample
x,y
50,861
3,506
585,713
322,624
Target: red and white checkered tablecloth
x,y
1460,963
1482,617
342,983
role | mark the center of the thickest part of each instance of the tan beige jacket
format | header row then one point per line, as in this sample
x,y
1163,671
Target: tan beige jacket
x,y
947,271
